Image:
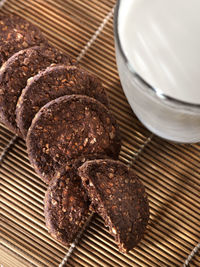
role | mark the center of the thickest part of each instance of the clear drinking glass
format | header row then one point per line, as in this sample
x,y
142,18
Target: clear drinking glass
x,y
165,116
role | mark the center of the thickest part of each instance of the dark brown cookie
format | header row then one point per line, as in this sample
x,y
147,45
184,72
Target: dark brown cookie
x,y
52,83
17,34
66,205
14,75
67,128
119,197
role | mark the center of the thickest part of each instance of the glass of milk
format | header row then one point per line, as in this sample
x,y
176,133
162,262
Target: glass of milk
x,y
158,57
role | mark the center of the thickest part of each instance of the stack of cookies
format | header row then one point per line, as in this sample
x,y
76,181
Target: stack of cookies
x,y
73,140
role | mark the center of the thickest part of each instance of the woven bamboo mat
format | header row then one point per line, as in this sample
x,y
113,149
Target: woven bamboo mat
x,y
170,172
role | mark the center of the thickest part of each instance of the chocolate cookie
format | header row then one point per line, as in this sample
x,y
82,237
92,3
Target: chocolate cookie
x,y
66,205
52,83
119,197
67,128
17,34
14,75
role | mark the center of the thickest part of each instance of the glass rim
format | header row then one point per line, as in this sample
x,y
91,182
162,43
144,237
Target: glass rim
x,y
162,97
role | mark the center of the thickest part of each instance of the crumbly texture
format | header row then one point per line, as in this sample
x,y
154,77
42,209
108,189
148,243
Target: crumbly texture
x,y
119,197
17,34
67,128
15,73
66,205
55,81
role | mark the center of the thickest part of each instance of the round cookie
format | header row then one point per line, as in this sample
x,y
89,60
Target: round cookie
x,y
119,197
67,128
14,75
55,81
17,34
66,205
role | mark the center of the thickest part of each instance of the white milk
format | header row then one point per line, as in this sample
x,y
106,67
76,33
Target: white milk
x,y
161,39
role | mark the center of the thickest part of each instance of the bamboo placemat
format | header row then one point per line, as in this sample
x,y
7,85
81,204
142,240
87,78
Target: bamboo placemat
x,y
170,172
